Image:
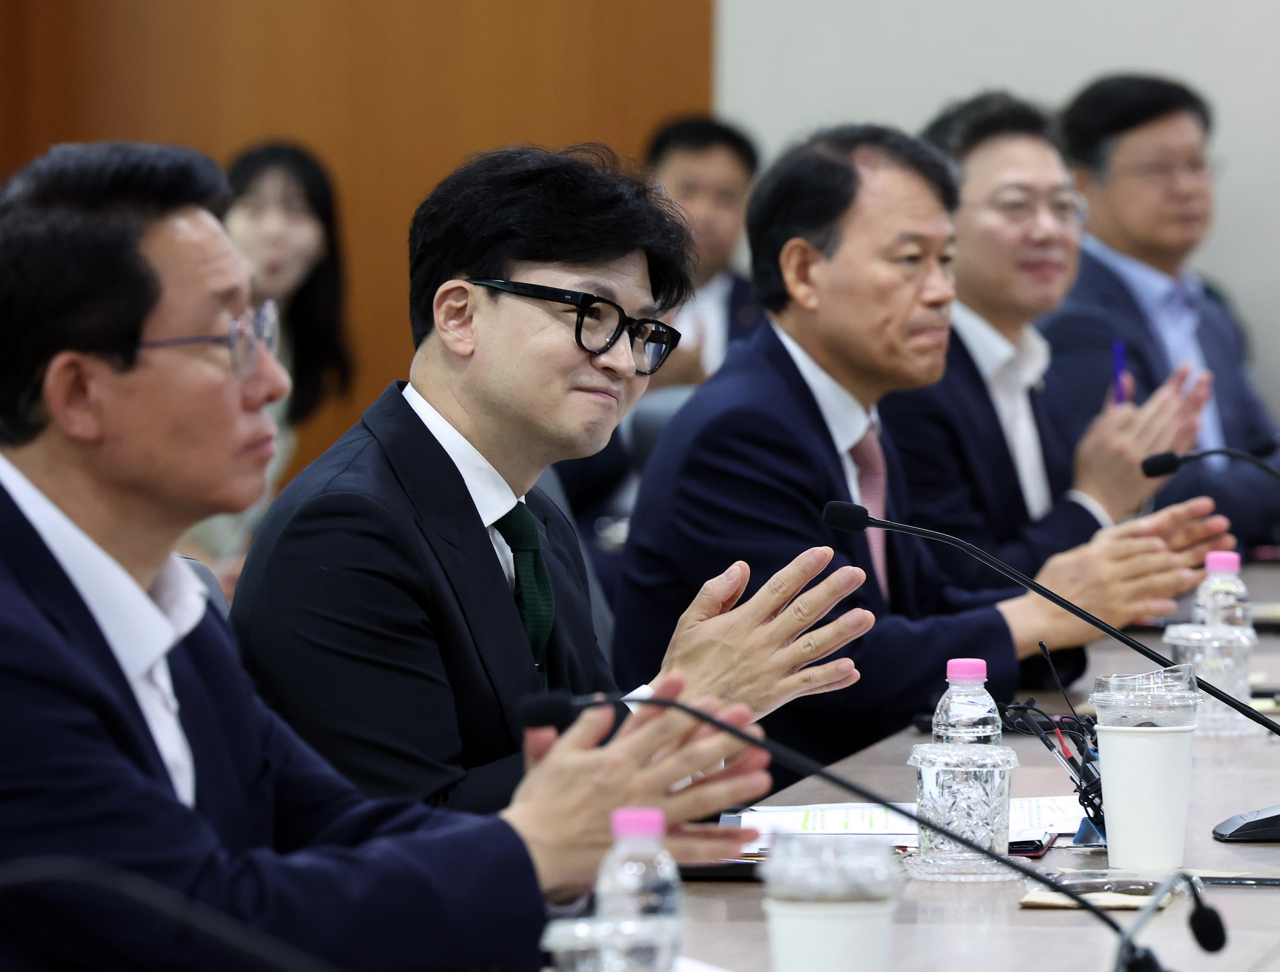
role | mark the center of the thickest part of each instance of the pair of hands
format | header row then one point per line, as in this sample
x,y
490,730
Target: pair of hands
x,y
740,662
572,784
1108,458
1129,571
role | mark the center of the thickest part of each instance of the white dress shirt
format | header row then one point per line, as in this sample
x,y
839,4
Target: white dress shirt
x,y
704,320
847,421
489,491
1010,371
139,626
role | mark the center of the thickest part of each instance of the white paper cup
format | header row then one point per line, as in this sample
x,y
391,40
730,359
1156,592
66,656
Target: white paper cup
x,y
829,936
1146,786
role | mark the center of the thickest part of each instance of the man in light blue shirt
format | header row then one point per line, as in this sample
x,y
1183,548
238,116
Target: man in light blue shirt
x,y
1139,149
1172,308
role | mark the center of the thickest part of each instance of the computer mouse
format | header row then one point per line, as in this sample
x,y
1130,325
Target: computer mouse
x,y
1253,827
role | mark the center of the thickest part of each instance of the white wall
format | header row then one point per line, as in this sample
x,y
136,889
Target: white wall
x,y
784,68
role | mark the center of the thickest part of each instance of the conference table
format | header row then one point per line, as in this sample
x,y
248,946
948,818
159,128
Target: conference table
x,y
944,926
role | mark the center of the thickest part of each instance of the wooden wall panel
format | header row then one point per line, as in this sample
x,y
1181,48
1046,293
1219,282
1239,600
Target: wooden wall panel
x,y
392,93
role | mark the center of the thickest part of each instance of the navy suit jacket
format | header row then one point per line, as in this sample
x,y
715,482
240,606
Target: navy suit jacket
x,y
375,617
745,315
1101,309
277,838
961,477
743,471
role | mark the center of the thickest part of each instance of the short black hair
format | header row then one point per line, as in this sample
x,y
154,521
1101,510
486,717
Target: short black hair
x,y
964,125
578,206
698,132
810,188
71,275
313,320
1119,103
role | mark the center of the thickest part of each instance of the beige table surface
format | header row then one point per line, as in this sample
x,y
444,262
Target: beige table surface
x,y
950,926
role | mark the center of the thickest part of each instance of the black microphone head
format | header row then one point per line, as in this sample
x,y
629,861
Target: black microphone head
x,y
555,708
1207,927
848,517
1264,449
1161,464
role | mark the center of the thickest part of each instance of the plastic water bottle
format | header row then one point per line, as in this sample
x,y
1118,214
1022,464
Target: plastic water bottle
x,y
967,713
1222,597
638,877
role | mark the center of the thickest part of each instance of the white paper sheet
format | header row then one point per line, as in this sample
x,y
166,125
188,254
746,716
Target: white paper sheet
x,y
1030,818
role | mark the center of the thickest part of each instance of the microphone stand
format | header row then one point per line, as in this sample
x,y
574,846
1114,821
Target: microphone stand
x,y
852,518
557,708
262,949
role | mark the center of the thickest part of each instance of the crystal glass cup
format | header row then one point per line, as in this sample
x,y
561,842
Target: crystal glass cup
x,y
965,788
1219,654
603,945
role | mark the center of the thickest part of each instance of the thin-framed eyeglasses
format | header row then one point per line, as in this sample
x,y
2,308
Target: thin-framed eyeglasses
x,y
250,329
601,322
1068,209
1166,171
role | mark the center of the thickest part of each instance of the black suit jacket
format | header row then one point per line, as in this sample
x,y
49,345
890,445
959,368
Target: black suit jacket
x,y
962,479
375,617
1100,309
276,838
745,315
743,472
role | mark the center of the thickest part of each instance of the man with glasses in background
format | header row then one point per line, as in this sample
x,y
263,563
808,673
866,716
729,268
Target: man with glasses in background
x,y
411,586
1139,146
983,451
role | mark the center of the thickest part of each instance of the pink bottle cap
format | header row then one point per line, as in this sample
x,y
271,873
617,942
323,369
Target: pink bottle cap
x,y
967,670
638,822
1222,562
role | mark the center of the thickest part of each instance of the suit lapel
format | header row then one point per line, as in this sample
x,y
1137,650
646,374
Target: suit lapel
x,y
39,573
451,525
854,545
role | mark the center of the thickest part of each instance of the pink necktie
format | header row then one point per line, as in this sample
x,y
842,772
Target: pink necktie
x,y
873,481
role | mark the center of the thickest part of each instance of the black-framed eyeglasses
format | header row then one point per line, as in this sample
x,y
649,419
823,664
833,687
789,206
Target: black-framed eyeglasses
x,y
253,327
601,322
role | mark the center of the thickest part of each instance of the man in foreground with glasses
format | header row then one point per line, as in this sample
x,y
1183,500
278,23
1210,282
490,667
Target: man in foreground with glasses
x,y
133,390
1139,147
409,587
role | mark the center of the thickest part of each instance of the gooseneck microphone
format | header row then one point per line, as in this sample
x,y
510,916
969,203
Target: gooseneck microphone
x,y
1206,925
560,708
1168,463
852,518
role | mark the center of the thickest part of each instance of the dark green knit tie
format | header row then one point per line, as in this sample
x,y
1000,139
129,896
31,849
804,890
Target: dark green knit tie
x,y
535,599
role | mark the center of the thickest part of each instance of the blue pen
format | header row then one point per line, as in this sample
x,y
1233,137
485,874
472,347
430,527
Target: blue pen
x,y
1117,370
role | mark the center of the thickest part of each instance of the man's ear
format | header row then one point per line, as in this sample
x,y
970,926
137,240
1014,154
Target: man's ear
x,y
71,395
796,261
453,311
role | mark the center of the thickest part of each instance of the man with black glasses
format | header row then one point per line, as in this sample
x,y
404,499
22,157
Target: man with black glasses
x,y
133,388
411,586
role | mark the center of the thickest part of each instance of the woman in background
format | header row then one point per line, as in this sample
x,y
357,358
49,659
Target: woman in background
x,y
282,218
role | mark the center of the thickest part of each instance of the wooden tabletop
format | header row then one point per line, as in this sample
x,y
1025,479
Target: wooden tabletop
x,y
941,927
